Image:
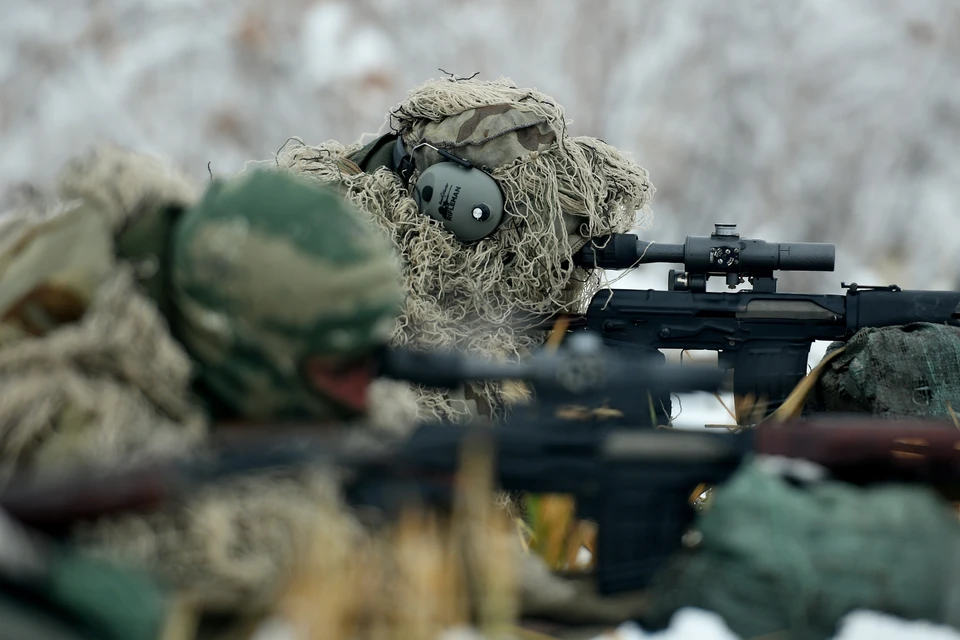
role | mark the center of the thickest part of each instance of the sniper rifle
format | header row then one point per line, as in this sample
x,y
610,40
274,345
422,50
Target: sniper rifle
x,y
763,335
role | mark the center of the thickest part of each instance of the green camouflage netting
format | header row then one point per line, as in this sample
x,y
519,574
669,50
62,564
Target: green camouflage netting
x,y
777,558
910,370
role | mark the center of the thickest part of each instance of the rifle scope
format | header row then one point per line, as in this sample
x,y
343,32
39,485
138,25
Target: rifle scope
x,y
724,252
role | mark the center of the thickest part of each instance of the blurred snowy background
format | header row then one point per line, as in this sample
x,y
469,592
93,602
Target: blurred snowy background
x,y
809,120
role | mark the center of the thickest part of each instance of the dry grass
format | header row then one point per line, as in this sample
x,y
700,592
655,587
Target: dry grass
x,y
793,405
556,535
417,578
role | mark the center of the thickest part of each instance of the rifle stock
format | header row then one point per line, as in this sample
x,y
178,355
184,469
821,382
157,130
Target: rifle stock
x,y
867,451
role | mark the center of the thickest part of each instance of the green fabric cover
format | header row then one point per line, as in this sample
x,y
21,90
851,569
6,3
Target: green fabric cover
x,y
909,370
779,557
115,603
83,599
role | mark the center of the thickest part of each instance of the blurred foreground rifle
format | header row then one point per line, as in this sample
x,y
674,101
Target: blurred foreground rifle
x,y
763,335
635,484
582,376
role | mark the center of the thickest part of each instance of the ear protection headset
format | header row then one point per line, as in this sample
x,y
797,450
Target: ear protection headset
x,y
465,199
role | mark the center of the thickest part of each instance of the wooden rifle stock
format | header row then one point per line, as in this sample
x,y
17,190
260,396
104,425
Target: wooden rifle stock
x,y
869,450
54,505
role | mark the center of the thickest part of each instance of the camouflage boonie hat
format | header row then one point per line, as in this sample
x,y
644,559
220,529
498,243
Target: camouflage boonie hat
x,y
269,269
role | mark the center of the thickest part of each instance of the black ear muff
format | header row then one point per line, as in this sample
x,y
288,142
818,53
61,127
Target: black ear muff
x,y
468,202
465,199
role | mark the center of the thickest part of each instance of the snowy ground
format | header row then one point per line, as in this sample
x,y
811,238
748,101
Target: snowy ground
x,y
695,624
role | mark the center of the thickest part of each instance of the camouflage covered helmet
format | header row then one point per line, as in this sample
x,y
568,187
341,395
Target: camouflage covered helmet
x,y
268,270
580,186
488,136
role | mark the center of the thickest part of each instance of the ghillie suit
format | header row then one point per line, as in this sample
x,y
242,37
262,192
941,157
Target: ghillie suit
x,y
90,371
559,192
